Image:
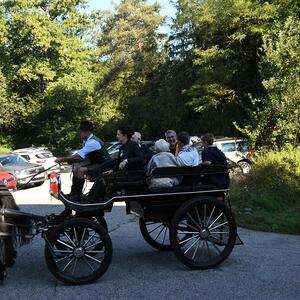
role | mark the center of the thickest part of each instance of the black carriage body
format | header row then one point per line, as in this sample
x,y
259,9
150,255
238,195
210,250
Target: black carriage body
x,y
190,217
131,187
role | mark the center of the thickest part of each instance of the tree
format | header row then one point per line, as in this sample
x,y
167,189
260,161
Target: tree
x,y
43,51
275,121
129,47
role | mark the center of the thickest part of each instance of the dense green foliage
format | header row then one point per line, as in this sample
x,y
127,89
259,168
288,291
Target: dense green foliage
x,y
268,199
228,66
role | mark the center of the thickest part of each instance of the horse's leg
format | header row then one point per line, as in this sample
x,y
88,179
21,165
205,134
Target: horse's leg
x,y
10,252
2,265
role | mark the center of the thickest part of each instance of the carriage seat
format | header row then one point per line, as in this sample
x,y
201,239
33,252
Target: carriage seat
x,y
199,171
186,189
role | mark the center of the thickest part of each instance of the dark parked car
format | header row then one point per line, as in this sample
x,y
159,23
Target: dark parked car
x,y
21,169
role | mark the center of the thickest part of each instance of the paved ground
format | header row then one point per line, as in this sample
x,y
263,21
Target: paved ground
x,y
266,267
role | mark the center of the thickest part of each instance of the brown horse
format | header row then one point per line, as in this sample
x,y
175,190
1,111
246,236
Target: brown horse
x,y
13,233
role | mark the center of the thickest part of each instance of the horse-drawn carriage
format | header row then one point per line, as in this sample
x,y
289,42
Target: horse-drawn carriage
x,y
193,220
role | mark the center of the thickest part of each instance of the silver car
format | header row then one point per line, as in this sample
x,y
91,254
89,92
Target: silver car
x,y
22,170
235,150
40,156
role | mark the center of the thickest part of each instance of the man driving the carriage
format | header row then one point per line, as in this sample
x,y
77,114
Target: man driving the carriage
x,y
91,159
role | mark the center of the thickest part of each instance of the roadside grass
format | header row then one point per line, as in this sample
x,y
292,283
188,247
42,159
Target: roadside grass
x,y
268,199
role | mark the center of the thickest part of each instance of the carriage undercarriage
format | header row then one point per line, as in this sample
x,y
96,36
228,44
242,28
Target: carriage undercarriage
x,y
194,221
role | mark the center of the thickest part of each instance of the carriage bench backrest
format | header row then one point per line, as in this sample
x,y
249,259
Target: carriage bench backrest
x,y
200,170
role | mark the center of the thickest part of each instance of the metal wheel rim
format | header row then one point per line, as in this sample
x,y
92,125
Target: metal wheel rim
x,y
245,167
159,232
78,252
203,233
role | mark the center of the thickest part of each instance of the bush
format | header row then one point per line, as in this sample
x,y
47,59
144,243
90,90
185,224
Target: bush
x,y
268,199
4,150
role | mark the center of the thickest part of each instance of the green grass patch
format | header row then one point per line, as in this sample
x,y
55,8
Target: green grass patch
x,y
269,198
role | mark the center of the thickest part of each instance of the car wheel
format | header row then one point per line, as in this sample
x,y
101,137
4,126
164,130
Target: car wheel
x,y
245,166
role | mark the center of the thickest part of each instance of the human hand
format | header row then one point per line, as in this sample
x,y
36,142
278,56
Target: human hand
x,y
59,160
122,165
108,172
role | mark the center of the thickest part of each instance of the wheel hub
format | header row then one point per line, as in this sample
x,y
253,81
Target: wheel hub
x,y
79,252
204,233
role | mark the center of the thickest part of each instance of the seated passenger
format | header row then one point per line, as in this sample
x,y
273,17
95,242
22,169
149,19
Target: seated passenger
x,y
188,156
162,158
211,155
130,154
171,138
147,153
130,157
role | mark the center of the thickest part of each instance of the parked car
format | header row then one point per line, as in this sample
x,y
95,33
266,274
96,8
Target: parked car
x,y
8,180
21,169
235,149
41,156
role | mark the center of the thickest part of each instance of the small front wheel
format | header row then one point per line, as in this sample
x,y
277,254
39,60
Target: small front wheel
x,y
156,234
202,233
78,251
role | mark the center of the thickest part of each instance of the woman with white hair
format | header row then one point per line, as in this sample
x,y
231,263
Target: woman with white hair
x,y
162,158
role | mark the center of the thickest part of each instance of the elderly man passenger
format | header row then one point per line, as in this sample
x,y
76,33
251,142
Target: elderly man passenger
x,y
171,138
162,158
147,153
188,156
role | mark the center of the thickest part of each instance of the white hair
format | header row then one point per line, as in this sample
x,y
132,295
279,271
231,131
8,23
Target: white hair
x,y
138,135
170,131
161,146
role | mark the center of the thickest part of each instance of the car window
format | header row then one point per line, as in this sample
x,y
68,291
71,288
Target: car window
x,y
27,157
243,146
12,159
44,155
228,147
114,147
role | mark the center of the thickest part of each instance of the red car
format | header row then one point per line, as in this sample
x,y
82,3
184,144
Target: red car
x,y
8,180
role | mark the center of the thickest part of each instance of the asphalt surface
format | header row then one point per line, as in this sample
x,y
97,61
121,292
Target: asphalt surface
x,y
266,267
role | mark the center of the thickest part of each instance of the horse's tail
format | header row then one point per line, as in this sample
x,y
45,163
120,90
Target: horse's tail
x,y
14,232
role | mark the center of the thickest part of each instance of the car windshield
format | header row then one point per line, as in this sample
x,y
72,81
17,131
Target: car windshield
x,y
12,159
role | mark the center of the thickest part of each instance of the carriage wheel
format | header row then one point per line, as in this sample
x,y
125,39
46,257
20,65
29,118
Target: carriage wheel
x,y
202,233
78,259
156,234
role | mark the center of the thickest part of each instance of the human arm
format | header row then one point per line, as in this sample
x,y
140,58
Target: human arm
x,y
68,159
206,158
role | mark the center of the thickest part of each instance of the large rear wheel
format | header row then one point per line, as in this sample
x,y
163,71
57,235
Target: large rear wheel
x,y
78,251
203,233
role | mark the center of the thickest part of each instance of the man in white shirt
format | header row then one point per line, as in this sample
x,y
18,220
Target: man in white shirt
x,y
89,159
188,156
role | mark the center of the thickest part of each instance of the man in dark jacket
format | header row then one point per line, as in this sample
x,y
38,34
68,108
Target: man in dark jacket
x,y
147,153
130,157
211,155
130,154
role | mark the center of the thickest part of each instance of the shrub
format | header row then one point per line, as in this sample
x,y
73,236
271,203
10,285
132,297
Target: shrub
x,y
269,198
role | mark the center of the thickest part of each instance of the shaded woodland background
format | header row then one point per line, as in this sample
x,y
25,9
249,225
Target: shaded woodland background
x,y
231,67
